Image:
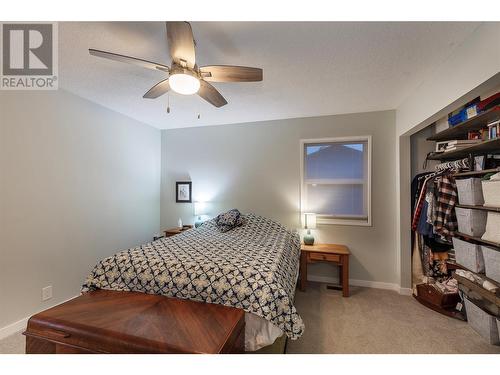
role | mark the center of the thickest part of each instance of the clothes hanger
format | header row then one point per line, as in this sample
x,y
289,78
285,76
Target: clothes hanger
x,y
453,165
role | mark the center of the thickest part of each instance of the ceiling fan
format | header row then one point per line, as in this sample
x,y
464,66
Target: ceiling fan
x,y
185,77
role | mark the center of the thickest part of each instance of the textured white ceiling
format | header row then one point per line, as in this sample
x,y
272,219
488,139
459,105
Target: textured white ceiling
x,y
310,69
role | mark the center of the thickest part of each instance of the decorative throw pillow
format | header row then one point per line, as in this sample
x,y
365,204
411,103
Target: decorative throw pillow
x,y
229,220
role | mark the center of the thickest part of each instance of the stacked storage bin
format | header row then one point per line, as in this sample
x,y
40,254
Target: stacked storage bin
x,y
477,258
491,263
470,191
491,191
469,255
470,221
482,322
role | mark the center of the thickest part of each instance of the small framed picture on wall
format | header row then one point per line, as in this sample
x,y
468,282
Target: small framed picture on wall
x,y
183,190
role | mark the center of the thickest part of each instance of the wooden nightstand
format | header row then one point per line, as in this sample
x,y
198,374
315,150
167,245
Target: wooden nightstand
x,y
338,254
173,231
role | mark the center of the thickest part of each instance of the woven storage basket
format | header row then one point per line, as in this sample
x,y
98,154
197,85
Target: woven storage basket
x,y
471,222
470,191
491,262
492,230
491,193
482,322
469,255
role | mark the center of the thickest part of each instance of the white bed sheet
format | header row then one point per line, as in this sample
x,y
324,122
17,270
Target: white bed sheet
x,y
259,332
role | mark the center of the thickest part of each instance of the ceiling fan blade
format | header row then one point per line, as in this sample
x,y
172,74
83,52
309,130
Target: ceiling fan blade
x,y
228,73
129,60
181,43
210,94
158,90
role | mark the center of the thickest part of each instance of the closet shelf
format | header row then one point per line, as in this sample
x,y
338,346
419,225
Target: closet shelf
x,y
456,266
494,245
475,123
476,173
487,147
483,208
486,294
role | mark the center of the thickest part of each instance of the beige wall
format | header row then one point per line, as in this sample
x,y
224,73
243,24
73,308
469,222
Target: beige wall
x,y
420,147
77,183
255,167
470,65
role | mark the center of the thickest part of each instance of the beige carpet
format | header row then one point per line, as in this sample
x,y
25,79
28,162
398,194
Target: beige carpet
x,y
378,321
13,344
370,321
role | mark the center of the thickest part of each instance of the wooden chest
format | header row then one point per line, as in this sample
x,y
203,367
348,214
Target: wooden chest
x,y
434,297
130,322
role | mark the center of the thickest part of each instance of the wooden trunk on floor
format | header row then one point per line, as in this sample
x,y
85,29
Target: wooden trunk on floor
x,y
130,322
443,303
435,297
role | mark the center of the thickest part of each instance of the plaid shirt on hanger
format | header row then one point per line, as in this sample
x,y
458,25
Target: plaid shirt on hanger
x,y
445,223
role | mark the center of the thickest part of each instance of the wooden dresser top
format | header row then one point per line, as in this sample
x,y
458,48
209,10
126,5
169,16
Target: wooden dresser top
x,y
139,322
326,248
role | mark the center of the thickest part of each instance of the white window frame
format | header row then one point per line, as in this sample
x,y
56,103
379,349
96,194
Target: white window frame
x,y
344,220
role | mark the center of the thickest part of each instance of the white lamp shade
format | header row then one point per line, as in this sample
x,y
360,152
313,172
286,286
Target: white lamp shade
x,y
310,221
200,208
184,84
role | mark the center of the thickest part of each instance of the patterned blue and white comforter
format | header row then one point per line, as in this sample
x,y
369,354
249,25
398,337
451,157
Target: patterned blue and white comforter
x,y
253,267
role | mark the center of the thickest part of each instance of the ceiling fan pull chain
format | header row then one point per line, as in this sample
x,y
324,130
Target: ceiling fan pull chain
x,y
168,103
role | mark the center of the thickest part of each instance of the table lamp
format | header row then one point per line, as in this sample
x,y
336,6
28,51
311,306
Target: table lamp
x,y
309,223
199,211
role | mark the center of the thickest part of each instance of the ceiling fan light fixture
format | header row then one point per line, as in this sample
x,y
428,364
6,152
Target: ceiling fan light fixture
x,y
185,84
185,76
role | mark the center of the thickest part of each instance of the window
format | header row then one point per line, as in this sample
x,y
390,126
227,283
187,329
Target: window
x,y
336,174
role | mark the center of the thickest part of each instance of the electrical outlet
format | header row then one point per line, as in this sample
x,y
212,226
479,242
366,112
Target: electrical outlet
x,y
47,293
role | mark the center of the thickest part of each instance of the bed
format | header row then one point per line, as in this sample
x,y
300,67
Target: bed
x,y
253,267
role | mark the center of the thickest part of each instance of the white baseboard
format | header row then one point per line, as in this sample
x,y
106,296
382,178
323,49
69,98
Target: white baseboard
x,y
406,291
365,283
20,325
13,328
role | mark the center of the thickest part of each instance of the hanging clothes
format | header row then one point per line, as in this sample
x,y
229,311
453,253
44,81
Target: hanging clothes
x,y
419,206
418,275
434,220
445,223
433,223
416,186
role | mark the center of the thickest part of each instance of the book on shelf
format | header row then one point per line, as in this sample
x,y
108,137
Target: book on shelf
x,y
453,148
476,134
494,129
456,143
463,142
459,146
